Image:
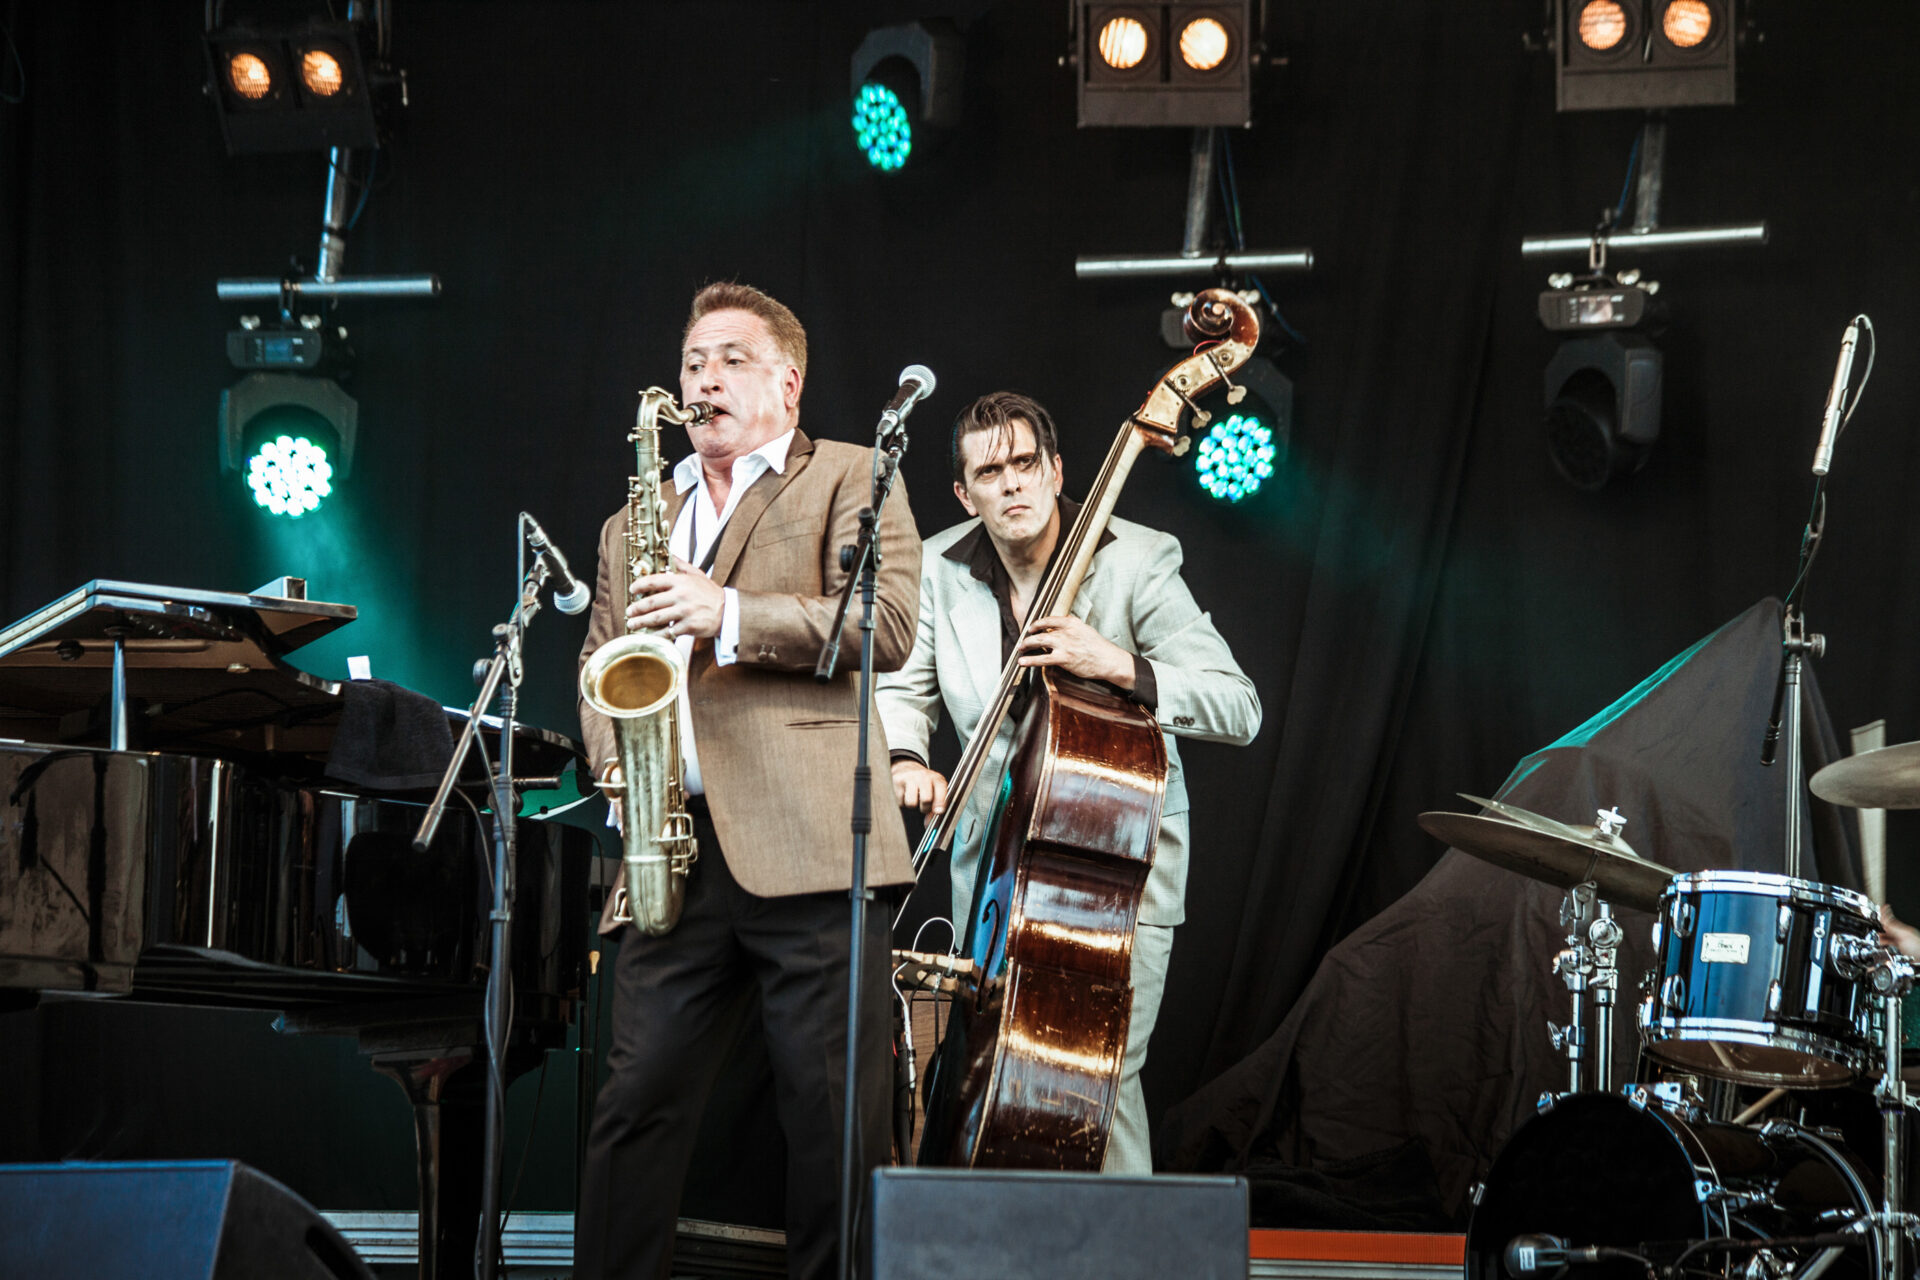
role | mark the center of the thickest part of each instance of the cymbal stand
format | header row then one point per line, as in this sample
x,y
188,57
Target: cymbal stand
x,y
1589,966
1890,976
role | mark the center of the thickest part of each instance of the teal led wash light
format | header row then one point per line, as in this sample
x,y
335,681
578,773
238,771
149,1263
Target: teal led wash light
x,y
881,127
290,475
1235,458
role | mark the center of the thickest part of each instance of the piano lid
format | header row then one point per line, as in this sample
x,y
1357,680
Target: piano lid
x,y
286,621
205,675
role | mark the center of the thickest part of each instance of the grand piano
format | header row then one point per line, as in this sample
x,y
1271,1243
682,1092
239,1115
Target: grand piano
x,y
187,817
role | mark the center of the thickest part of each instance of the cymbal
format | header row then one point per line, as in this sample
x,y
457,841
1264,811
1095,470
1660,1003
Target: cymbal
x,y
1554,852
1888,778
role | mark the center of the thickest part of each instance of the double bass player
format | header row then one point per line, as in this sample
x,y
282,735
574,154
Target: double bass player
x,y
1134,626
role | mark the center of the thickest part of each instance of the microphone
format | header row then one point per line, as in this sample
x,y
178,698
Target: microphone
x,y
1830,427
570,595
1538,1255
916,384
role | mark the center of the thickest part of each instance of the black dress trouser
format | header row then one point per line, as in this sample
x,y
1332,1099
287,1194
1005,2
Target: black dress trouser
x,y
676,1000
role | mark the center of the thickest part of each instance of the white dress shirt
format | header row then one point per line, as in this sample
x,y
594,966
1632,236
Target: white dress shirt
x,y
694,533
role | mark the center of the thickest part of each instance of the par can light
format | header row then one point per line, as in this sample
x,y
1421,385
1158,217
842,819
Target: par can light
x,y
1603,25
906,83
289,436
881,127
1185,63
321,72
1235,458
1687,24
303,87
290,476
1643,55
1123,43
1204,44
249,75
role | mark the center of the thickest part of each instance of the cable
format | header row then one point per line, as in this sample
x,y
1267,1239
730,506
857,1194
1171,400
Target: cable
x,y
533,1127
1626,184
952,933
366,189
1230,196
1730,1244
1809,542
482,850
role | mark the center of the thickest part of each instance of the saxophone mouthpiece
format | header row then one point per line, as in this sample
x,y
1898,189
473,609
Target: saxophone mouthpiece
x,y
700,413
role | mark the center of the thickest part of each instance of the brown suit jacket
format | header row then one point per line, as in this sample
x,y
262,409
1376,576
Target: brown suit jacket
x,y
776,746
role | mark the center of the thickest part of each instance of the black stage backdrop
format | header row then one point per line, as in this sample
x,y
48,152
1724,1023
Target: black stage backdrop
x,y
1419,599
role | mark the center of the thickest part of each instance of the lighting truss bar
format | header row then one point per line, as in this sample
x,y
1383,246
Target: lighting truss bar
x,y
1741,233
1132,265
264,289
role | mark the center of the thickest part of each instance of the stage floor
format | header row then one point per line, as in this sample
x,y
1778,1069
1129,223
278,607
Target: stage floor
x,y
541,1244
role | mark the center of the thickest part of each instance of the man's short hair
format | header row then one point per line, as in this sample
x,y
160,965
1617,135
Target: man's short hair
x,y
996,412
726,295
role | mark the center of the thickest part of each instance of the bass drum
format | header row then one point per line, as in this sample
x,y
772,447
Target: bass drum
x,y
1618,1169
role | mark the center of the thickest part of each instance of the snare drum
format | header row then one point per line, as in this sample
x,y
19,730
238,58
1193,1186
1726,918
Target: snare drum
x,y
1747,988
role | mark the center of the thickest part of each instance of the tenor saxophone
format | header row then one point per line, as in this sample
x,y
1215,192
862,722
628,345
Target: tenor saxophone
x,y
635,681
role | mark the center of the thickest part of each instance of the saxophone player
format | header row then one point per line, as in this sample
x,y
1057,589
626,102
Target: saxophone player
x,y
758,513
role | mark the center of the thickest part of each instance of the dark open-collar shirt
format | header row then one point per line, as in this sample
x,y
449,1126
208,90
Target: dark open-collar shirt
x,y
976,551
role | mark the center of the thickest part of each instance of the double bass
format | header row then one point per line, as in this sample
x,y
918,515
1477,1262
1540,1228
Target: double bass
x,y
1028,1074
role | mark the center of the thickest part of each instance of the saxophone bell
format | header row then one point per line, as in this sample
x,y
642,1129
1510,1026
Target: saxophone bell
x,y
635,681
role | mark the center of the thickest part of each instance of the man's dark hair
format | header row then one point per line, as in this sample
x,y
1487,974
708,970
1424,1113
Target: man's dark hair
x,y
996,412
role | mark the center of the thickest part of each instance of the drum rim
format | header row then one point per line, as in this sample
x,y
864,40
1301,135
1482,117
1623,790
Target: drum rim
x,y
1655,1032
1769,884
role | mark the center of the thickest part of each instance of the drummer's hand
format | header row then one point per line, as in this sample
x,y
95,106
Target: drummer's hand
x,y
1896,933
917,787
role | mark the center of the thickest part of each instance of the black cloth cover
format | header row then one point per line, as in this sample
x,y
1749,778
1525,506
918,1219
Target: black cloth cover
x,y
1428,1023
390,738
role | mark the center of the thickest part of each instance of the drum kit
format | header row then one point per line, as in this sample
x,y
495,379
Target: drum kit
x,y
1766,981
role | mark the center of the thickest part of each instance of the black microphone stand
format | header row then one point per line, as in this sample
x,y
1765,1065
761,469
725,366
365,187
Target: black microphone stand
x,y
501,674
862,563
1796,643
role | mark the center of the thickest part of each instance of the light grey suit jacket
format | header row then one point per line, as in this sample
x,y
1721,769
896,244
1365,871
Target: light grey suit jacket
x,y
1134,596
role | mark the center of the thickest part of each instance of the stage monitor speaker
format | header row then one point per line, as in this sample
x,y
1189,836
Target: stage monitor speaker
x,y
163,1220
934,1224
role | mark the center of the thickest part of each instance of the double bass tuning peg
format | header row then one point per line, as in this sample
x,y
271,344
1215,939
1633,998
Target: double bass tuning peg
x,y
1178,385
1235,394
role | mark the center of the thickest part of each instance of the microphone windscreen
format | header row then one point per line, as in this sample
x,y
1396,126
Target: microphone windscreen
x,y
918,373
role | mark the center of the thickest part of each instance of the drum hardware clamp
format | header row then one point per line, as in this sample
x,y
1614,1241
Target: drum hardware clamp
x,y
1589,966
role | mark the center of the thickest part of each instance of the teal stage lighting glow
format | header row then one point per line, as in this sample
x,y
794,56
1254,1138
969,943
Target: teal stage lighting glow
x,y
1235,458
290,475
881,127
